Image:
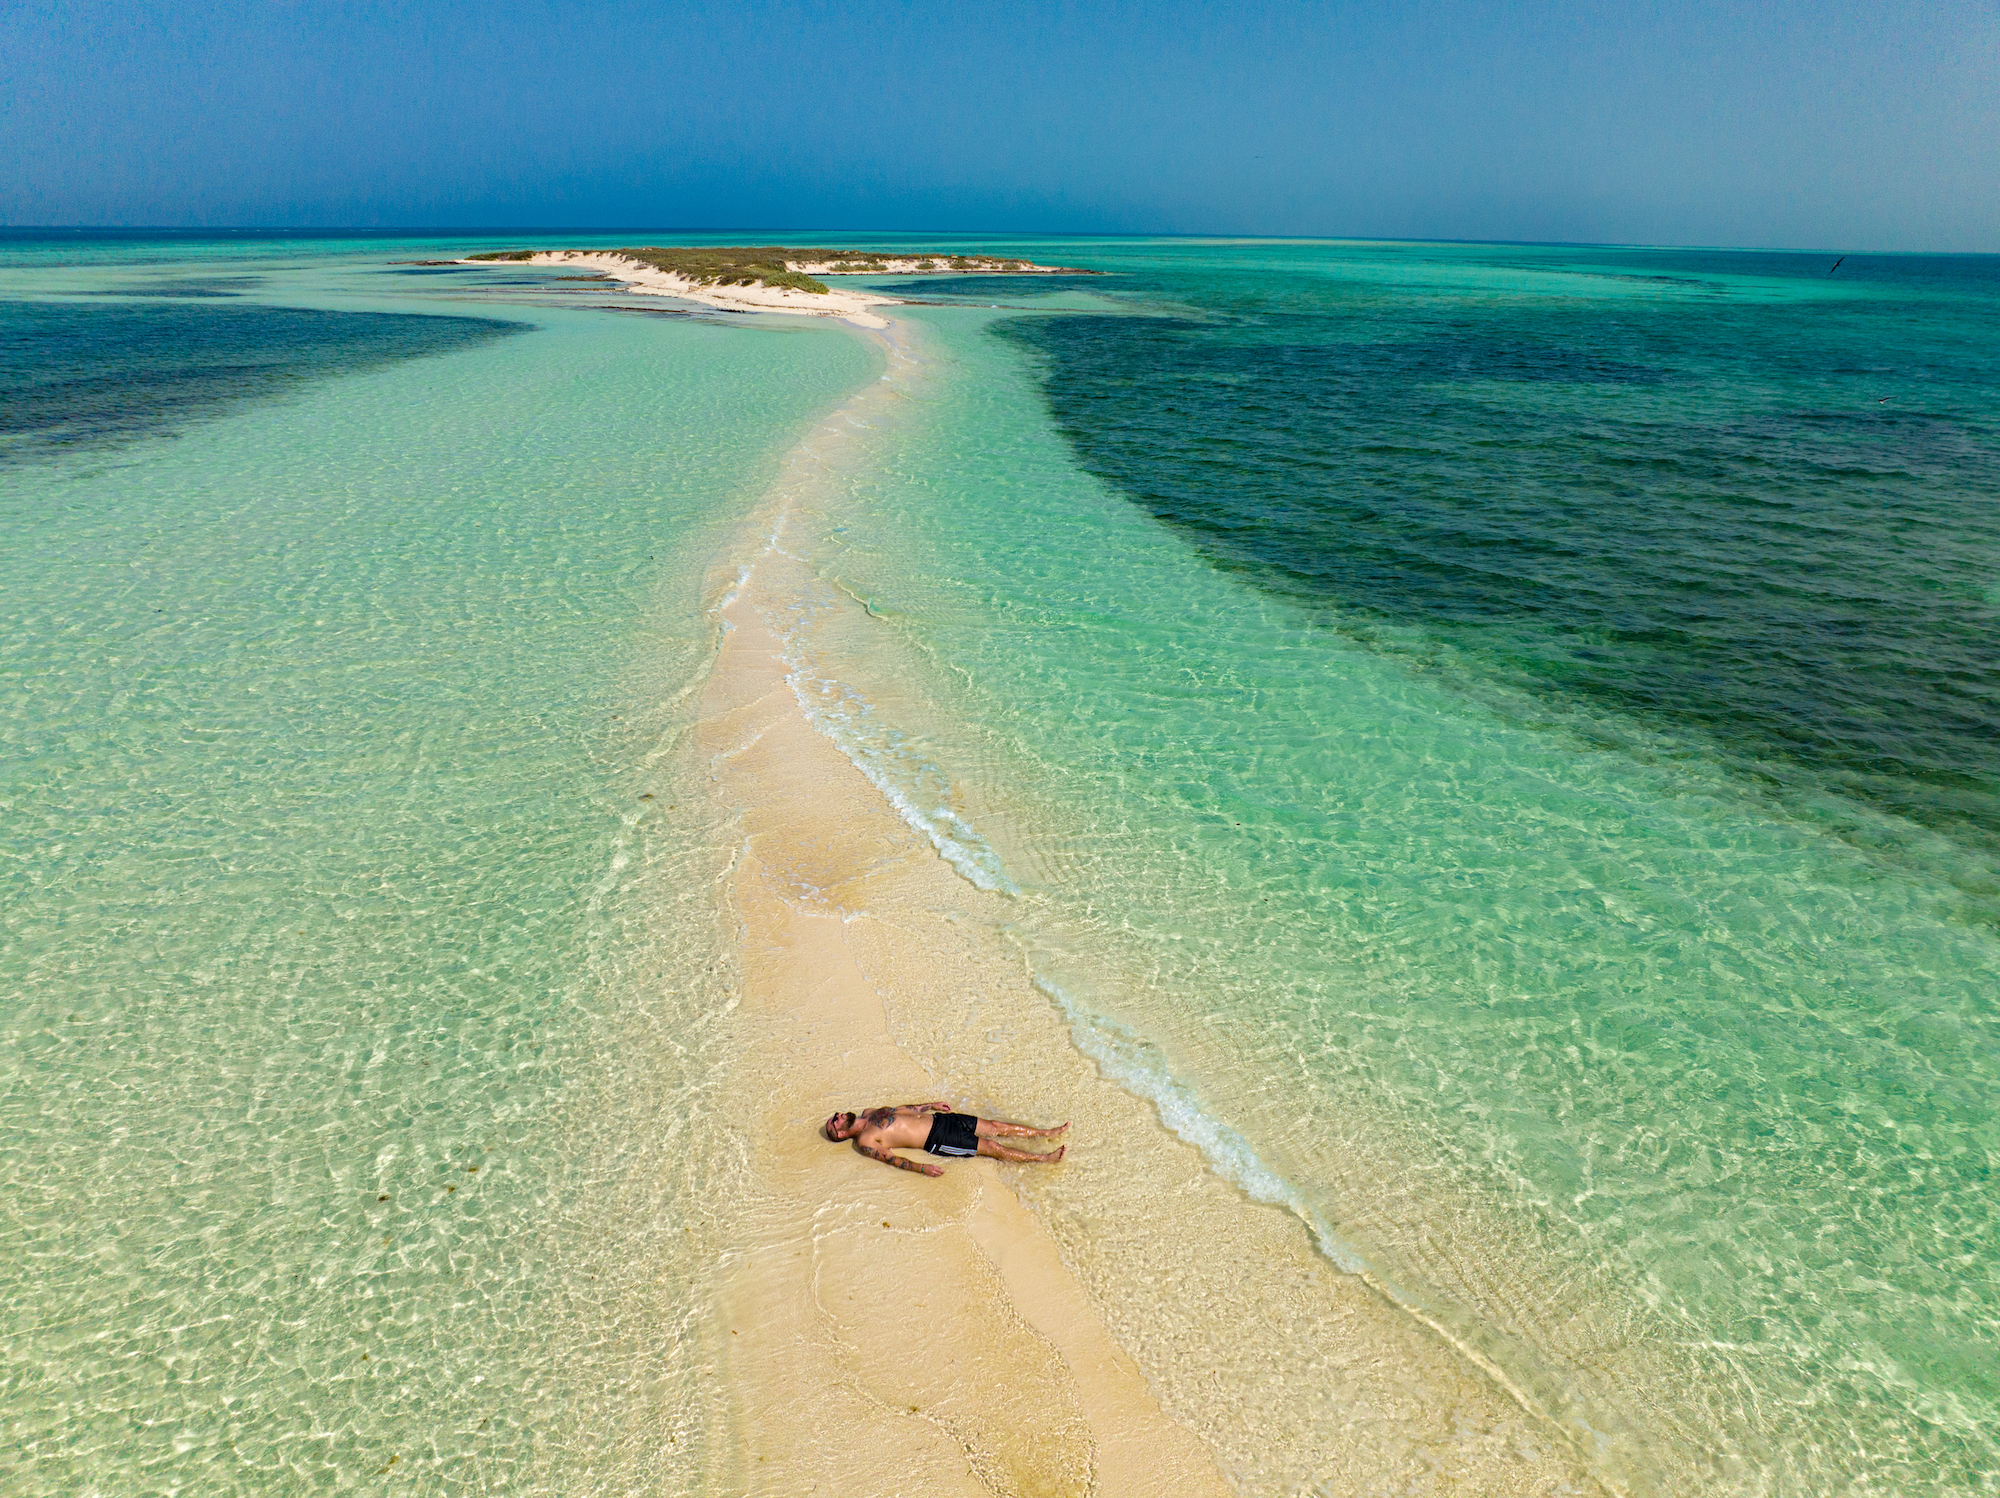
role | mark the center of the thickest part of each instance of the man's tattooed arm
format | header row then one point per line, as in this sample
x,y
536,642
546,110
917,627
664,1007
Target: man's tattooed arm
x,y
888,1158
937,1107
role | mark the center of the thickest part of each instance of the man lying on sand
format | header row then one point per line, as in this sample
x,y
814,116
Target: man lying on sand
x,y
935,1128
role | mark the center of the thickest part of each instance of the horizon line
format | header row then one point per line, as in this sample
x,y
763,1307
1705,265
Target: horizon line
x,y
486,230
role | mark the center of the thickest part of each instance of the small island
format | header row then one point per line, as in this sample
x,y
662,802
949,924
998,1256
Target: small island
x,y
772,278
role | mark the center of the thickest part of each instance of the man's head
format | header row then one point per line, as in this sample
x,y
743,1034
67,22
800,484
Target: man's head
x,y
841,1126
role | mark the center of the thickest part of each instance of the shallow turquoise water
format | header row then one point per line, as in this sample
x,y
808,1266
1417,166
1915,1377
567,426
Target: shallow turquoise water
x,y
1627,1007
1655,1053
355,1008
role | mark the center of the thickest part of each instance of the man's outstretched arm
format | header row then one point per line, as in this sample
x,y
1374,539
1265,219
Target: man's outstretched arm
x,y
890,1157
938,1107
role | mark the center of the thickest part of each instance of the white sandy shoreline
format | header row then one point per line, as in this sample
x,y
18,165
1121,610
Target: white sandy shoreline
x,y
882,1334
856,307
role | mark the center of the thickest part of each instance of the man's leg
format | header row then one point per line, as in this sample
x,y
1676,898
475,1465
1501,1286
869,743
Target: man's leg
x,y
994,1151
999,1128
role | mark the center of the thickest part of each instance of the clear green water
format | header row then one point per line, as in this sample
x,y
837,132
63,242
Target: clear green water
x,y
1323,663
356,1012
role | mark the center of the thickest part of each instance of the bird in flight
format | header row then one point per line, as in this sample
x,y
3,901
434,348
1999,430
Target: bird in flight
x,y
1836,265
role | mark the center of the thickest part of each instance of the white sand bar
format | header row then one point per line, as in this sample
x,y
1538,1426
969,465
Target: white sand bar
x,y
856,307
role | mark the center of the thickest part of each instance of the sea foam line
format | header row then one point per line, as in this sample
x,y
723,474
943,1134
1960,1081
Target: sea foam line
x,y
956,840
1137,1065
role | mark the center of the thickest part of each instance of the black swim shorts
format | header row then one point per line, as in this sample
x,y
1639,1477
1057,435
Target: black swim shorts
x,y
953,1134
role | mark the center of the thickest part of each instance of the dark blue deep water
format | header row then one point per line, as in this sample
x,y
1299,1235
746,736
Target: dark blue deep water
x,y
78,375
1692,498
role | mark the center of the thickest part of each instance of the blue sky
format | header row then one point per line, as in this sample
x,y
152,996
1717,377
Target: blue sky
x,y
1711,122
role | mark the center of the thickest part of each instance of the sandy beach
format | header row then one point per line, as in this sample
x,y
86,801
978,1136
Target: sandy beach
x,y
856,307
1126,1322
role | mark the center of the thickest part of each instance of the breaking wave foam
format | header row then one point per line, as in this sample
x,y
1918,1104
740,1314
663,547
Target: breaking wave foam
x,y
1136,1065
910,782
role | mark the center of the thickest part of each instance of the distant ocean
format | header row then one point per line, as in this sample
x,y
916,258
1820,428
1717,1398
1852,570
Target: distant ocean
x,y
1501,743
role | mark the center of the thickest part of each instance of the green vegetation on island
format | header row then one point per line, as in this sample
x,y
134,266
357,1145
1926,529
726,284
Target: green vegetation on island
x,y
731,265
771,265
